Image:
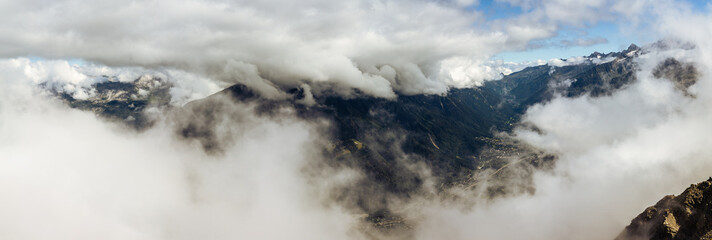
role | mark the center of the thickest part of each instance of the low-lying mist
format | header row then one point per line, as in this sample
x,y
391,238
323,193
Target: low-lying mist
x,y
617,154
66,174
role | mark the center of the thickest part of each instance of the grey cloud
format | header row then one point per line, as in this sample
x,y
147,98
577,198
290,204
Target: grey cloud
x,y
91,181
573,13
617,154
326,44
68,175
584,42
77,80
314,41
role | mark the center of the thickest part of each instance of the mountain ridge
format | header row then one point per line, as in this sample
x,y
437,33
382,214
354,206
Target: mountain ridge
x,y
686,216
456,135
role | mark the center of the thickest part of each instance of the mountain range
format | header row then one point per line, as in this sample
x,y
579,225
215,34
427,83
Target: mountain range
x,y
457,135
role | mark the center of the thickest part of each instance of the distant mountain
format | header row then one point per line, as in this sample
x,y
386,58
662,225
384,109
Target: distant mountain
x,y
122,101
456,134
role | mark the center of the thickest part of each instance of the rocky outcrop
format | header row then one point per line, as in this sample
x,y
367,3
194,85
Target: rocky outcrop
x,y
687,216
682,74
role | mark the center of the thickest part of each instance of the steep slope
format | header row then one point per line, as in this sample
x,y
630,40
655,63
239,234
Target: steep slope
x,y
686,216
456,135
453,134
597,75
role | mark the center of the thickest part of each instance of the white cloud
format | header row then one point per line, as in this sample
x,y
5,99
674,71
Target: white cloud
x,y
583,42
317,42
618,154
67,175
77,80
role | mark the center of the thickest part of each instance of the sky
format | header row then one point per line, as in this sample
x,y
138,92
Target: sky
x,y
604,36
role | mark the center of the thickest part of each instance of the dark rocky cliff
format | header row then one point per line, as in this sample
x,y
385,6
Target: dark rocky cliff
x,y
686,216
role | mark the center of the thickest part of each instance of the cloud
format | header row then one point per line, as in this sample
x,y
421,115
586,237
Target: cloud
x,y
583,42
328,45
573,13
78,80
66,174
617,154
320,42
579,60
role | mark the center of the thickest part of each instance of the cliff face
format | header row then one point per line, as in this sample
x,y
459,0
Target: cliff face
x,y
687,216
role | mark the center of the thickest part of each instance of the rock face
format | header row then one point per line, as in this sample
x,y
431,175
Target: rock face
x,y
687,216
682,74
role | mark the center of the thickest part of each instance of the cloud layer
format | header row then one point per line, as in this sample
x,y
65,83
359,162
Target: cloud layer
x,y
378,48
66,174
618,154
